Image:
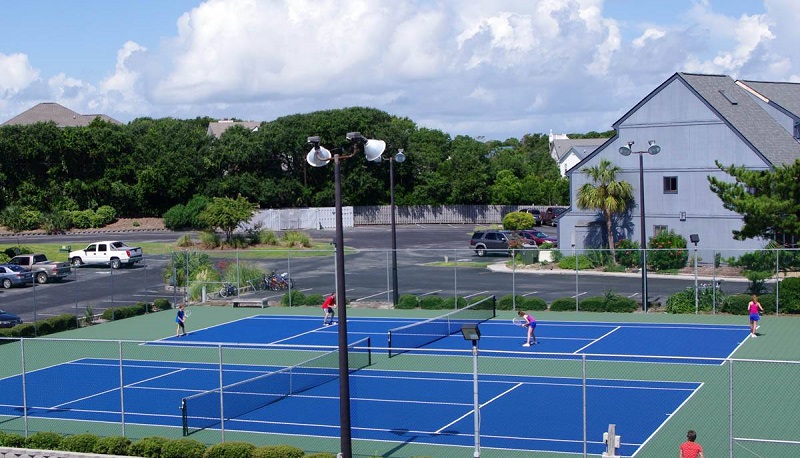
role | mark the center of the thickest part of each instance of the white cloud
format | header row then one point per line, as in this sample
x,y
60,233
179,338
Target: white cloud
x,y
16,74
649,34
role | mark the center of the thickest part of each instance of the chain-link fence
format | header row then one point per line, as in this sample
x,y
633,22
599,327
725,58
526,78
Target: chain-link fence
x,y
416,404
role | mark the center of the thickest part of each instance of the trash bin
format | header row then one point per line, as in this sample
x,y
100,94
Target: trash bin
x,y
530,255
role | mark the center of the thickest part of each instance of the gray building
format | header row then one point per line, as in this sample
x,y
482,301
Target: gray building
x,y
59,114
696,120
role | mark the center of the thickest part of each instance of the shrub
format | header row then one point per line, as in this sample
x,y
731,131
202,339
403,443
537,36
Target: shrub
x,y
61,322
114,445
56,222
23,330
185,241
789,295
564,304
320,455
105,215
738,304
683,301
407,302
230,450
267,237
668,251
592,304
628,253
148,447
296,238
430,302
43,440
183,448
210,240
568,262
507,302
20,219
237,241
82,219
314,299
120,313
161,304
12,440
518,220
295,298
43,328
533,303
82,443
278,451
452,303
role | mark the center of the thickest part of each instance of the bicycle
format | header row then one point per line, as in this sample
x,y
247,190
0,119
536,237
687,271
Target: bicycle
x,y
227,290
276,282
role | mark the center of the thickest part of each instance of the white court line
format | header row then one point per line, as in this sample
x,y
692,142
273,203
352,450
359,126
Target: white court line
x,y
58,406
476,294
373,295
430,292
528,294
596,340
578,295
439,431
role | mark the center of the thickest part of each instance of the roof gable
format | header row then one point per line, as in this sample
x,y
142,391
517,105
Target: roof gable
x,y
219,127
784,95
60,115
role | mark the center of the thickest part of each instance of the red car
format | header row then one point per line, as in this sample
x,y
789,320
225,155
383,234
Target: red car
x,y
537,236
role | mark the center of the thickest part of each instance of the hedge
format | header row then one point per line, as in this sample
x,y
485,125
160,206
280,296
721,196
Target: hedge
x,y
278,451
231,450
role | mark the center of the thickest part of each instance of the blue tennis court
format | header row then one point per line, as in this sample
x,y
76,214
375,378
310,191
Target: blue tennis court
x,y
518,412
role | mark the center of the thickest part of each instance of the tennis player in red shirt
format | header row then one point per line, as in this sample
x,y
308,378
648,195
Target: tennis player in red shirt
x,y
327,308
690,448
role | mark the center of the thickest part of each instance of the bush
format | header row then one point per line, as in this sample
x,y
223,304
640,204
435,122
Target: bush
x,y
452,303
120,313
43,440
568,262
737,304
533,303
105,215
564,304
230,450
82,219
148,447
431,303
296,239
57,222
61,323
789,295
23,330
278,451
314,299
518,220
320,455
628,253
161,304
683,301
185,216
266,237
185,241
407,302
82,443
114,445
507,302
296,298
668,251
12,440
183,448
210,240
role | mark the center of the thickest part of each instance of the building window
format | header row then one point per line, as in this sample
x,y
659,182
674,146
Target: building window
x,y
657,229
670,185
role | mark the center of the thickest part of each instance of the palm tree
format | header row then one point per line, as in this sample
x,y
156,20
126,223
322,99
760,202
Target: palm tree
x,y
606,194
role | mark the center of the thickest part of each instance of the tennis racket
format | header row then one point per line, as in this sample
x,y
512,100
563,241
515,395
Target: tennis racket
x,y
187,313
521,322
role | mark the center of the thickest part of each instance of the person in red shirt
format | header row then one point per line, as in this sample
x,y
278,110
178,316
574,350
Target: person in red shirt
x,y
690,448
327,308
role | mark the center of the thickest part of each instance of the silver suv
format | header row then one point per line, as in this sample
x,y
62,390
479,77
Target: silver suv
x,y
490,241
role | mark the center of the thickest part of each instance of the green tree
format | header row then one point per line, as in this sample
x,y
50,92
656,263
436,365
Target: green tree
x,y
605,194
226,214
769,201
507,188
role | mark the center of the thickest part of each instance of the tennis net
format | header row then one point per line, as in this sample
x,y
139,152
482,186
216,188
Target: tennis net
x,y
211,408
416,335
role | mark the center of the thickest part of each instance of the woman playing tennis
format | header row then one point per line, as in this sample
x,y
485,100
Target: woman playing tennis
x,y
755,309
529,323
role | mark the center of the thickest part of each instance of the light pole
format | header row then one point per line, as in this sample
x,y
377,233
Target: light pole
x,y
319,156
653,149
471,332
398,157
694,238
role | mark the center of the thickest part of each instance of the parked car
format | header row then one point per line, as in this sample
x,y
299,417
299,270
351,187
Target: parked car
x,y
14,275
551,214
538,237
490,241
9,320
537,215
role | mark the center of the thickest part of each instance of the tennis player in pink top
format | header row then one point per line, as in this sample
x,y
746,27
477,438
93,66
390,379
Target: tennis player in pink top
x,y
755,309
531,325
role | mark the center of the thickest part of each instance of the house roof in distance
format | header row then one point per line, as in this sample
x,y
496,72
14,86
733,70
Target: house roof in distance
x,y
219,127
59,114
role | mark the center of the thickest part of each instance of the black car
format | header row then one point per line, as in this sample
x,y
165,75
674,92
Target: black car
x,y
8,320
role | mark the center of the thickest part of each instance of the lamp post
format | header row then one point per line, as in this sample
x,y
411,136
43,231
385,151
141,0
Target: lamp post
x,y
694,238
653,149
319,156
471,332
398,157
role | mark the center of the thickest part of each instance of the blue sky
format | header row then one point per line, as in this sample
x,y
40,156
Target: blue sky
x,y
492,69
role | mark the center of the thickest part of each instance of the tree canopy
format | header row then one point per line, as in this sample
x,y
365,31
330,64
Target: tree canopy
x,y
769,200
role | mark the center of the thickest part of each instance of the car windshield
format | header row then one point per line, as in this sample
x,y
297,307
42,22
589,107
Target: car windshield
x,y
14,267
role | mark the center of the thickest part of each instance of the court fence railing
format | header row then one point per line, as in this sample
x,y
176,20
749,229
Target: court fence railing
x,y
740,407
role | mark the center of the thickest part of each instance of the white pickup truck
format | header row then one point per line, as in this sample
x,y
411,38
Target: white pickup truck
x,y
114,254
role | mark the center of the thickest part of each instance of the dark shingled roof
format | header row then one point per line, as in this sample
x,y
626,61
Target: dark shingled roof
x,y
783,95
62,116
